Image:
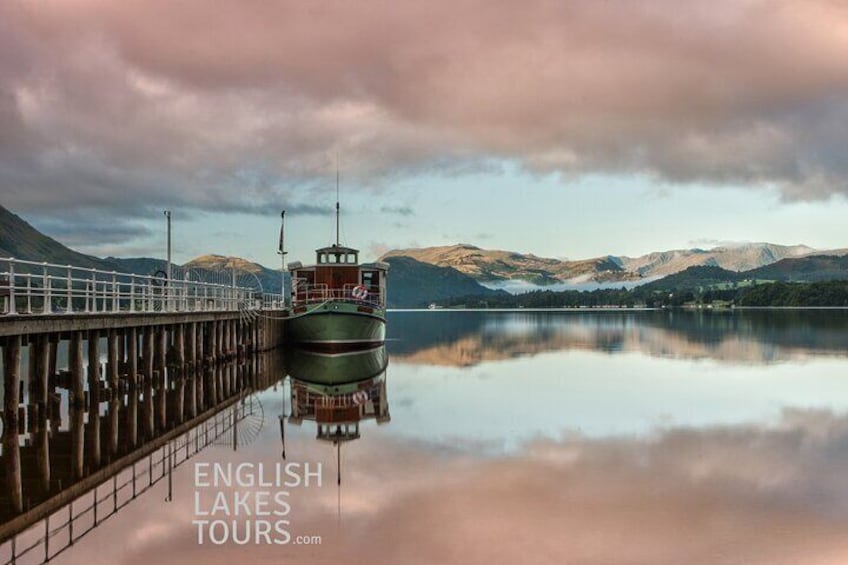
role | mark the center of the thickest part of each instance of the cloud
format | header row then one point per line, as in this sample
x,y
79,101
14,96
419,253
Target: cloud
x,y
81,230
135,105
398,210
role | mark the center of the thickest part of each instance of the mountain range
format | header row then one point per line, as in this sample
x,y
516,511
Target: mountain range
x,y
495,267
424,275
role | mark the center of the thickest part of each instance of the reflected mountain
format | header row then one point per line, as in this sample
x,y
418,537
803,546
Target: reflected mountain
x,y
465,338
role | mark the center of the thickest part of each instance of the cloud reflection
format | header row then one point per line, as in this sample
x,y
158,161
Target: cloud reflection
x,y
735,494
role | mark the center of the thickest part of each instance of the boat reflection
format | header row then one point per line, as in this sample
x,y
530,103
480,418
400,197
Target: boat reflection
x,y
337,391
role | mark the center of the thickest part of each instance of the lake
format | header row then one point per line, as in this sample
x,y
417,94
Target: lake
x,y
528,437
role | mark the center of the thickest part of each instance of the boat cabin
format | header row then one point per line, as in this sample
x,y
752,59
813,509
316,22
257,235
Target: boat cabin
x,y
337,275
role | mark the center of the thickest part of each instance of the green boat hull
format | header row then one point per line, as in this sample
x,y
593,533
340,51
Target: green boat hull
x,y
337,324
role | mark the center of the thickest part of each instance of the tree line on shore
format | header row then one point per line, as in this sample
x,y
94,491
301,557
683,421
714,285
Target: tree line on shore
x,y
765,294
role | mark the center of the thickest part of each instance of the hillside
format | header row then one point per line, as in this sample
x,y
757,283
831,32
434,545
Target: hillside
x,y
741,257
815,268
20,240
247,272
807,269
693,278
413,284
496,266
492,266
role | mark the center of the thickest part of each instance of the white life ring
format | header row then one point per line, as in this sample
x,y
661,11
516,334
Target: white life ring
x,y
359,292
359,397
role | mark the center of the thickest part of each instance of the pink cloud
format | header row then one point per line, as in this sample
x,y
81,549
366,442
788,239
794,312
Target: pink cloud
x,y
241,102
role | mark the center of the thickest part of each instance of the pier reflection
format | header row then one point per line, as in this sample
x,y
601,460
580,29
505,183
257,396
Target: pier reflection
x,y
80,462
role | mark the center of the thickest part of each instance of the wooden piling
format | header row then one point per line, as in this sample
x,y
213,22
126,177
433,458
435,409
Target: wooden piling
x,y
191,345
179,348
52,347
122,352
132,359
93,430
161,397
147,354
38,396
161,351
77,370
11,400
193,384
77,418
113,421
147,408
132,417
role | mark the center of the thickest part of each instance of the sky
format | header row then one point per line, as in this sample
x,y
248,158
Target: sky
x,y
564,128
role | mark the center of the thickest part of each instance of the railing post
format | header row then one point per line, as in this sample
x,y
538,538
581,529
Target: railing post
x,y
115,304
48,298
29,293
132,293
93,291
70,293
12,306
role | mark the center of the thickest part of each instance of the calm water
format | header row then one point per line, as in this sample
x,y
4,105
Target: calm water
x,y
553,438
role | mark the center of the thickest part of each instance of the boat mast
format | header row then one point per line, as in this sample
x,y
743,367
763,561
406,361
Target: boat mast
x,y
337,200
282,253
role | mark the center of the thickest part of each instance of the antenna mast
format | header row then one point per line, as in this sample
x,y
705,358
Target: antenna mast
x,y
337,199
282,253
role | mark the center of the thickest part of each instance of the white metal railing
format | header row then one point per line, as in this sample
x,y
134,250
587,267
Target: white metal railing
x,y
30,287
305,293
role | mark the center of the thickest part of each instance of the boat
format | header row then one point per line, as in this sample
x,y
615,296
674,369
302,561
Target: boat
x,y
337,303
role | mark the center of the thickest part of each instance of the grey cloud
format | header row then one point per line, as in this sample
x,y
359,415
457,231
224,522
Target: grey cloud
x,y
117,106
398,210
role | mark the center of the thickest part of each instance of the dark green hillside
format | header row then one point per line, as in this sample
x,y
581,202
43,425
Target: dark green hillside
x,y
413,284
20,240
817,294
808,269
693,277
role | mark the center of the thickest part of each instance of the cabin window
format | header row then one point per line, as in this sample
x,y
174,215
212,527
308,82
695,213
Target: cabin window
x,y
351,258
371,280
322,258
332,257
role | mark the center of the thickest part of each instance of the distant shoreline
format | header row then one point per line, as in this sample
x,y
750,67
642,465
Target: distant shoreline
x,y
609,309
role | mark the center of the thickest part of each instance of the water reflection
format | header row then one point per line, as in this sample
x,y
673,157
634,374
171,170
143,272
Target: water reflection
x,y
135,435
338,391
652,455
465,338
